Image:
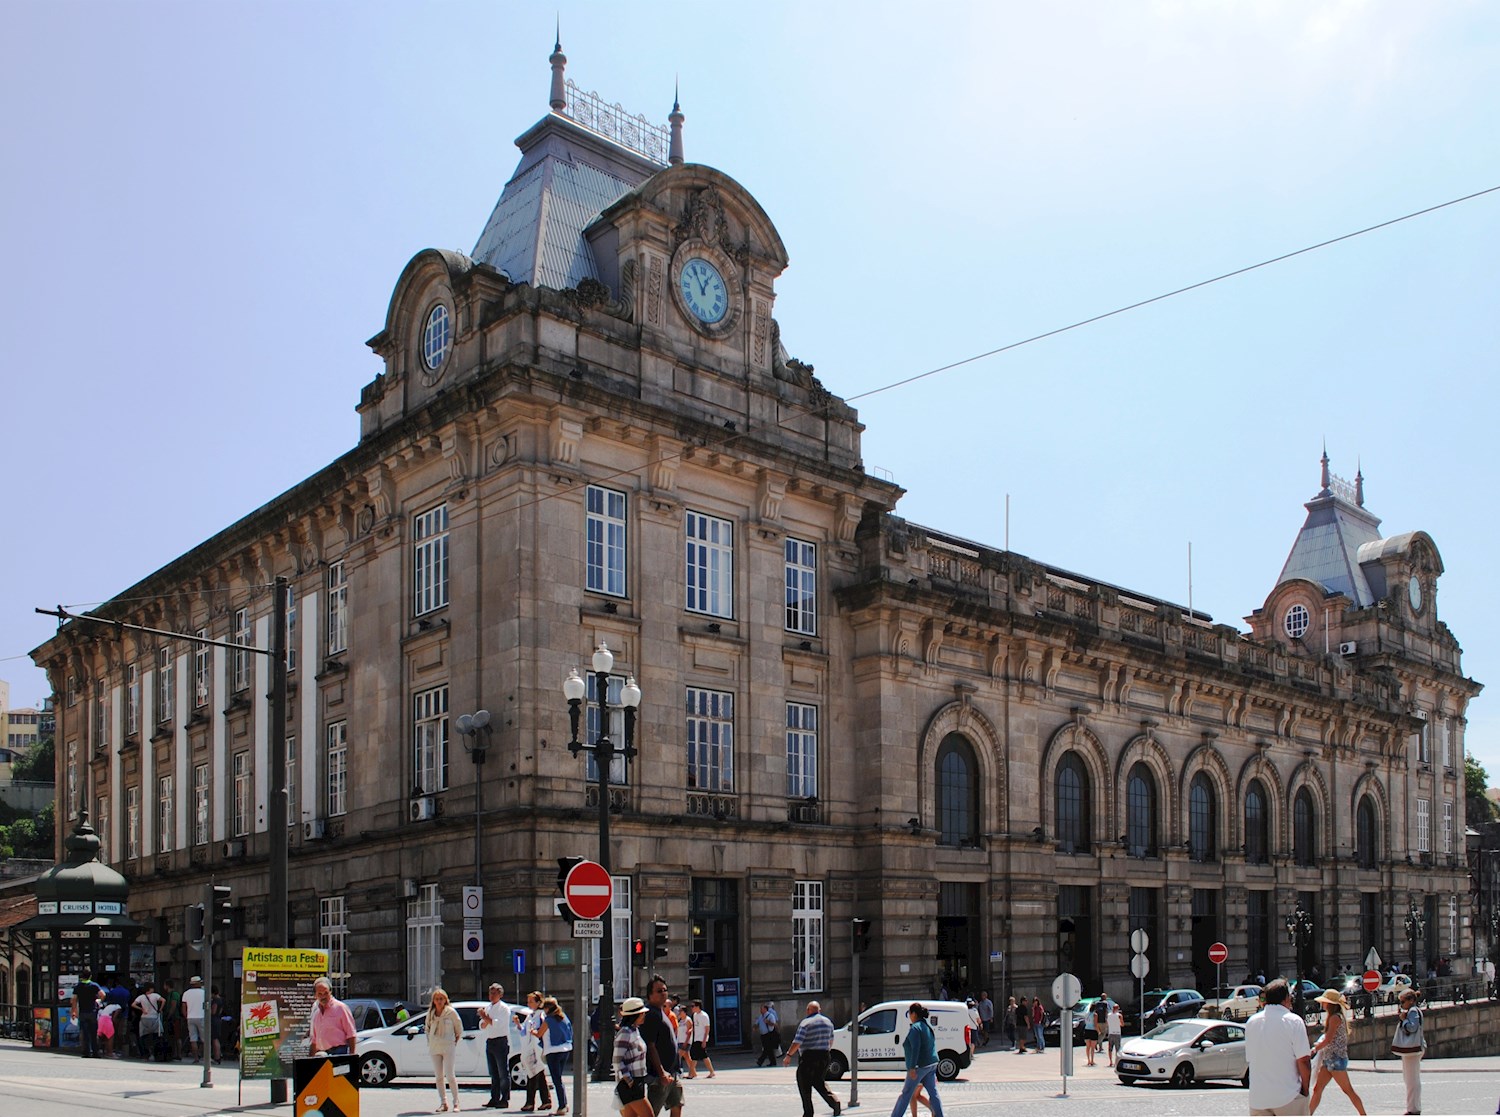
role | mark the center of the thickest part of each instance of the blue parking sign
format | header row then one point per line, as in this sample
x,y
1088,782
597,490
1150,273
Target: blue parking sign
x,y
518,958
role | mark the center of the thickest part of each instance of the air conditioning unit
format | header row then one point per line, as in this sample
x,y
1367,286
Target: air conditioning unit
x,y
234,849
422,808
314,829
1348,647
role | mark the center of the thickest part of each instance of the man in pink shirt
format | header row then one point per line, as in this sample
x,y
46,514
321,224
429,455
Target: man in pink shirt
x,y
331,1030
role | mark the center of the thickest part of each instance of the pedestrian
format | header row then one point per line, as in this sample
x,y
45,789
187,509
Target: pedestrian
x,y
171,1020
1023,1025
631,1061
659,1030
109,1012
1039,1024
494,1026
1090,1036
682,1029
557,1043
814,1039
444,1030
1280,1060
215,1022
1332,1051
150,1005
85,1002
986,1017
698,1044
1116,1032
1100,1013
1008,1022
768,1024
1409,1044
975,1024
533,1065
331,1028
920,1047
193,1008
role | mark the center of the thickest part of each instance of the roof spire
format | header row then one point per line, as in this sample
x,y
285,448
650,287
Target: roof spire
x,y
1359,484
559,96
674,152
1326,479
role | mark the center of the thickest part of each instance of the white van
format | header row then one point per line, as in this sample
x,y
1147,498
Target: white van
x,y
883,1028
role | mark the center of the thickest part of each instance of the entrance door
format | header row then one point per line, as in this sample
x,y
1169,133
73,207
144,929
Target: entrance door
x,y
1206,932
713,949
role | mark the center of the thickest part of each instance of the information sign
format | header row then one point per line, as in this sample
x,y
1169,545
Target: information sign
x,y
588,928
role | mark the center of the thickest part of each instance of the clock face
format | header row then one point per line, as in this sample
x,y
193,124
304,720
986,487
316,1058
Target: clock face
x,y
703,291
1414,592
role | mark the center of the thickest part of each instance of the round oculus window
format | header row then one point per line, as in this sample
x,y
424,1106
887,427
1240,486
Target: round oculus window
x,y
437,337
1414,593
1296,621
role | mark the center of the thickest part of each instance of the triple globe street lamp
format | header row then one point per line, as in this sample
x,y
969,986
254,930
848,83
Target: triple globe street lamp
x,y
1299,929
1416,926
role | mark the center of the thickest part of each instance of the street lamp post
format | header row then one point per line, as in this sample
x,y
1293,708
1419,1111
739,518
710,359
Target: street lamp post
x,y
1299,929
1416,925
604,750
475,729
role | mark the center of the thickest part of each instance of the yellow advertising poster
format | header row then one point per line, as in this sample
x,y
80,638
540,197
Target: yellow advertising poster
x,y
276,1001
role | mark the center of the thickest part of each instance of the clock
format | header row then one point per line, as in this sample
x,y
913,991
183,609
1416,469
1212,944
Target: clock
x,y
1414,593
703,291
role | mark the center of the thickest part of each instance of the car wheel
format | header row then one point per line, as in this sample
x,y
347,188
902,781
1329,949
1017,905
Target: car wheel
x,y
517,1075
1183,1075
838,1066
948,1067
376,1070
1245,1079
1127,1082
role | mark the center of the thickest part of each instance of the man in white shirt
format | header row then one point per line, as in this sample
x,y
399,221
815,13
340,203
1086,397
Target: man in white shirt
x,y
192,1008
1279,1055
494,1028
698,1045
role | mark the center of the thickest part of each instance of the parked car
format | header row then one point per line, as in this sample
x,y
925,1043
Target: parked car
x,y
1241,1002
883,1028
1185,1051
375,1012
400,1050
1161,1005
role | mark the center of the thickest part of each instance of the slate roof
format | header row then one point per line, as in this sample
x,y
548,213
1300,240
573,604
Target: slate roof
x,y
1326,550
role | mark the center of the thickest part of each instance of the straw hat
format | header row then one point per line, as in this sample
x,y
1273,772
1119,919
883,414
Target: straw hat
x,y
1333,997
632,1006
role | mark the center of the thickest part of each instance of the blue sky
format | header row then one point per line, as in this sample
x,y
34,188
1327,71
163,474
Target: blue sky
x,y
207,205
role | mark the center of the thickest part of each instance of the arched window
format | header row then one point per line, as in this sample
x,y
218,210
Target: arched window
x,y
1202,819
957,793
1366,836
1140,812
1257,843
1304,829
1072,805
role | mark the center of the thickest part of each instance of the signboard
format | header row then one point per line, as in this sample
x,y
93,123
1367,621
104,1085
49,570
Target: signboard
x,y
473,944
726,1029
565,956
473,901
588,928
1140,966
588,891
1139,940
325,1087
1066,989
1218,954
276,999
518,961
1370,980
1372,959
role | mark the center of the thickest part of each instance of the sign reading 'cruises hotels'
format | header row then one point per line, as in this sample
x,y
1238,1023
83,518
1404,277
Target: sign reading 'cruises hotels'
x,y
276,1002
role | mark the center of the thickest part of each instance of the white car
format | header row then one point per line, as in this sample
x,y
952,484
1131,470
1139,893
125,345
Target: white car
x,y
1184,1051
883,1028
400,1050
1242,1003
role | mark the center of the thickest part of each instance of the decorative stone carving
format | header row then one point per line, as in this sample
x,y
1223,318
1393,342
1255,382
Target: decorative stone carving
x,y
849,511
653,292
704,220
760,333
566,437
771,493
382,493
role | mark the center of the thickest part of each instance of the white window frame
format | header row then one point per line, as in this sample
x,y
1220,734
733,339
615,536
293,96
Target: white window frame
x,y
619,771
710,737
71,690
132,822
424,943
338,768
240,658
201,792
1424,740
1424,826
621,922
291,629
708,576
72,792
429,739
606,540
164,814
1447,825
293,804
240,815
807,936
165,698
203,658
1297,621
429,535
801,750
132,699
338,607
333,936
101,717
800,563
1452,950
101,826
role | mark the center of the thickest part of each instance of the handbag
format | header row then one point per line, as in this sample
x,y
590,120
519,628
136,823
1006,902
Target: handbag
x,y
1409,1040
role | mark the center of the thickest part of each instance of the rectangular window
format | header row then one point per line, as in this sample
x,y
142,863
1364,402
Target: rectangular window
x,y
291,629
293,808
430,560
165,699
604,529
101,827
807,936
241,813
1424,826
101,717
241,658
72,690
710,565
618,772
338,608
132,699
200,804
164,814
424,943
333,936
203,657
1370,923
801,751
72,804
338,768
801,587
1447,825
710,734
132,823
430,739
1424,741
621,921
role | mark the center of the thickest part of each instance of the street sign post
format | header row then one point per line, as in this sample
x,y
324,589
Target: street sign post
x,y
1140,966
1218,954
1066,989
1370,980
588,891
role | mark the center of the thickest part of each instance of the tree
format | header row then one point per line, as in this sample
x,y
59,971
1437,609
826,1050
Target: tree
x,y
1478,807
37,766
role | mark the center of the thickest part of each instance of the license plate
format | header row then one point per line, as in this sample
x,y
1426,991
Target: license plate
x,y
1131,1065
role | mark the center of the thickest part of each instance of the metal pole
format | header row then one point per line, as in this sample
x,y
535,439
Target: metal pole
x,y
604,754
478,751
276,904
580,1062
210,917
854,1023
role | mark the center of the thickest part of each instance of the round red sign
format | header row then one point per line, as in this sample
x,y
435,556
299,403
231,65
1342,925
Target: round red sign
x,y
588,890
1218,954
1371,980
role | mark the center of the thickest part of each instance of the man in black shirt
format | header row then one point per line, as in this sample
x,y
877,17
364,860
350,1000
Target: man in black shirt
x,y
663,1090
86,1011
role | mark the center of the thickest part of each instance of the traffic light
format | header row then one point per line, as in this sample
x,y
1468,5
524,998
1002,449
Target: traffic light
x,y
638,954
193,924
861,935
564,867
220,909
661,936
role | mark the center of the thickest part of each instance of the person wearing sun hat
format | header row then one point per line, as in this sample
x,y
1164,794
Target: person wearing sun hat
x,y
1332,1051
630,1060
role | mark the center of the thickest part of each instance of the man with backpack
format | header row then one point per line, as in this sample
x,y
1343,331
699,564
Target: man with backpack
x,y
1100,1013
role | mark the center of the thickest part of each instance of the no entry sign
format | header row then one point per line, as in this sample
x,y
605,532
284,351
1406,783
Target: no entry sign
x,y
1370,980
588,890
1218,954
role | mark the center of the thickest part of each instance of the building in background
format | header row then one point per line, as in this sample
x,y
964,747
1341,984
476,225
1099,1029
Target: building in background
x,y
590,431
